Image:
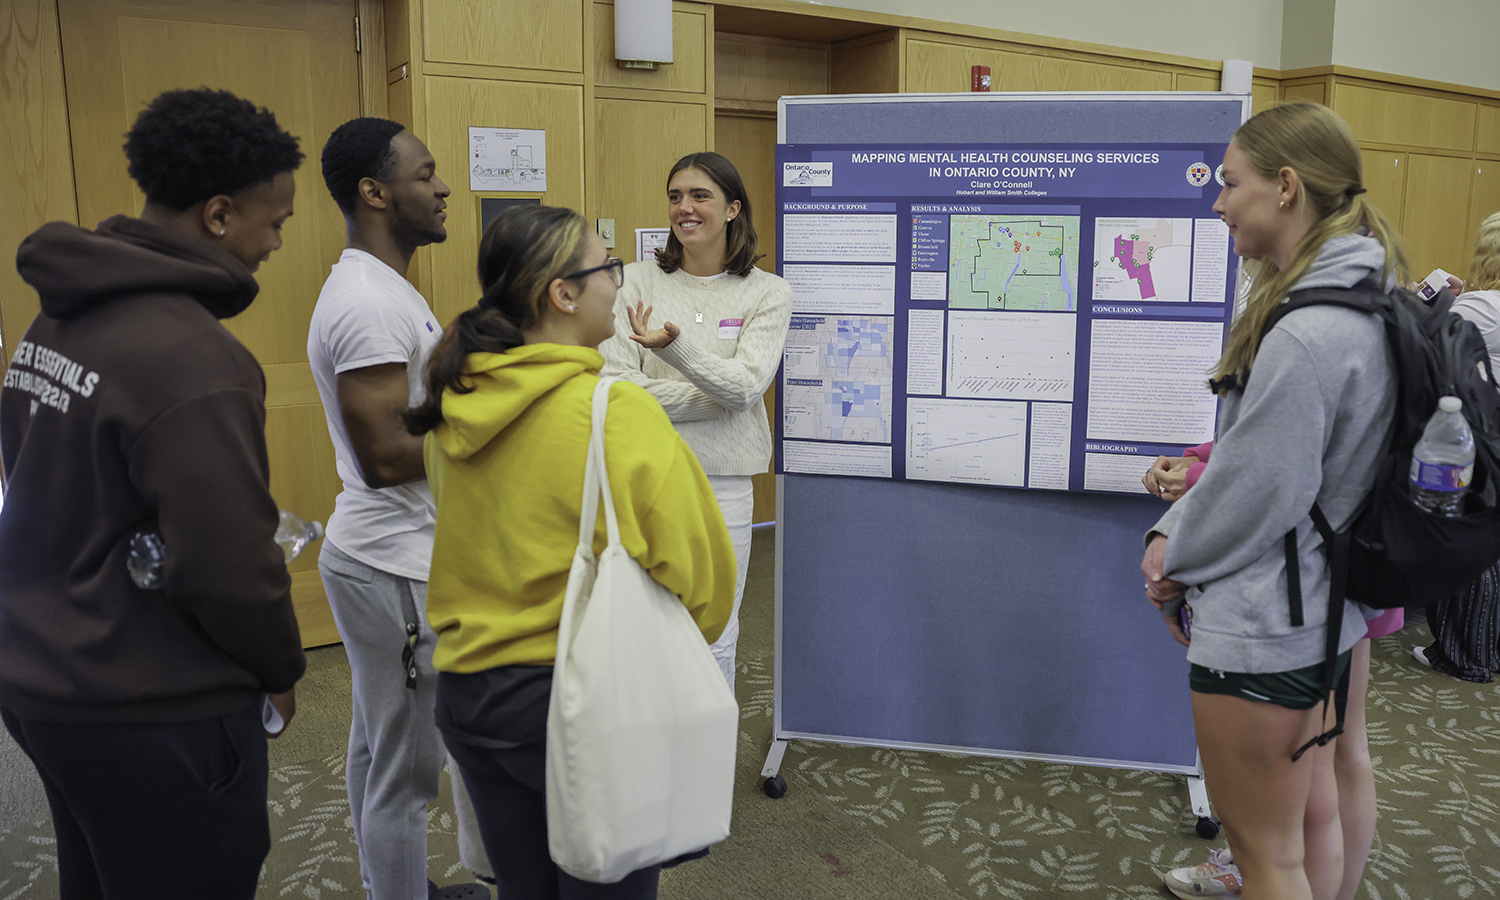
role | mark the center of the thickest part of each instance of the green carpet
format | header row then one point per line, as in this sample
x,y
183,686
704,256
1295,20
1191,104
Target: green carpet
x,y
867,824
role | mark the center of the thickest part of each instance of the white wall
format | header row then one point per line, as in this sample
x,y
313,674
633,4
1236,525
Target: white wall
x,y
1205,29
1307,34
1456,41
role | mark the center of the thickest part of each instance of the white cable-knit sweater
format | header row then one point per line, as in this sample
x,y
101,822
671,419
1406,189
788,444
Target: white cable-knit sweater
x,y
712,379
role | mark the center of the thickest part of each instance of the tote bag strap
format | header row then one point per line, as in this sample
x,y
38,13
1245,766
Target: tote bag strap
x,y
596,476
593,468
601,472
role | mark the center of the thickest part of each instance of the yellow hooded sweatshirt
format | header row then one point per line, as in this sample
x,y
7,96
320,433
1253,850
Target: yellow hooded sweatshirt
x,y
506,469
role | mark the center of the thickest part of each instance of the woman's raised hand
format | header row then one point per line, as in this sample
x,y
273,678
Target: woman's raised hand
x,y
651,339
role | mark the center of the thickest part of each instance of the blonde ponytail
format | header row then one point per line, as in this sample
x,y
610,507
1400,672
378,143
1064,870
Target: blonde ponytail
x,y
1314,142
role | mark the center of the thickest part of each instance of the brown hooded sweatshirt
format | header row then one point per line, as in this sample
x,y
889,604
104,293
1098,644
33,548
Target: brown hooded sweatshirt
x,y
128,407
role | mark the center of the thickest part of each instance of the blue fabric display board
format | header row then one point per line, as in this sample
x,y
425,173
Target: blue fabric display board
x,y
1005,308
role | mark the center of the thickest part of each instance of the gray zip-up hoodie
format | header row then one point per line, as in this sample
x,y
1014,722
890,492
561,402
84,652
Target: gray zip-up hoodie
x,y
1311,424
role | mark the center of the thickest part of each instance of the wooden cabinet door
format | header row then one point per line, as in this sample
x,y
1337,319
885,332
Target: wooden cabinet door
x,y
1484,203
297,58
1385,179
1436,221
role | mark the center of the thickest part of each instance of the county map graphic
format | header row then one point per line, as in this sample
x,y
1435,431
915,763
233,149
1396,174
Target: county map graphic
x,y
838,379
1013,262
1142,259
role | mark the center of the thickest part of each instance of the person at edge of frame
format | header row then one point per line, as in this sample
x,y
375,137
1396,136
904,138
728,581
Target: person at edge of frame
x,y
1306,415
128,407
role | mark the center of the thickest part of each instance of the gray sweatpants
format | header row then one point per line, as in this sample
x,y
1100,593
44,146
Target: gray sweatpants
x,y
395,752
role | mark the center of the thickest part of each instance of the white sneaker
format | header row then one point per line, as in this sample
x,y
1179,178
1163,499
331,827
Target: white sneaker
x,y
1219,877
1420,655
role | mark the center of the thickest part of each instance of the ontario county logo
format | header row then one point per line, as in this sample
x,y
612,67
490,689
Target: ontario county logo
x,y
1198,174
807,174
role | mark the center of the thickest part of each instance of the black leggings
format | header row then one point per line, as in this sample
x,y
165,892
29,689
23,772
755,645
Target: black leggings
x,y
513,822
1466,630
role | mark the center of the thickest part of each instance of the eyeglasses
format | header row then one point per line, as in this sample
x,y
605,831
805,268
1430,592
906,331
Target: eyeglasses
x,y
616,268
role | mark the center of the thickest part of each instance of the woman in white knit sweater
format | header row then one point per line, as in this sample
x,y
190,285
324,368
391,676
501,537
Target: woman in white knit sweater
x,y
702,329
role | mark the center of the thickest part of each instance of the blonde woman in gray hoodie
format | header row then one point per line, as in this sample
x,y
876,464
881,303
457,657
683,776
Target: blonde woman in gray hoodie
x,y
1306,414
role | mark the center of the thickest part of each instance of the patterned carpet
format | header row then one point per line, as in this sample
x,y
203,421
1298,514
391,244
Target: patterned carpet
x,y
869,824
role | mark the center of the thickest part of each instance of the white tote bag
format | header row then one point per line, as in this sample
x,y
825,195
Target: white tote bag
x,y
642,728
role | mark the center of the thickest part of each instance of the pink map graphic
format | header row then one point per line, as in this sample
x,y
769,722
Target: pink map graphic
x,y
1128,252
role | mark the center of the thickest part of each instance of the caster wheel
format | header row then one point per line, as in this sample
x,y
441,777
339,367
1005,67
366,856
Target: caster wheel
x,y
775,787
1208,827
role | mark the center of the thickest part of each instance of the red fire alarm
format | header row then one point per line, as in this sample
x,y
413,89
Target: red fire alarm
x,y
980,78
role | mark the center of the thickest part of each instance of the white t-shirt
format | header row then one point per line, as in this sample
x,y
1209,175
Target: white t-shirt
x,y
1483,309
368,315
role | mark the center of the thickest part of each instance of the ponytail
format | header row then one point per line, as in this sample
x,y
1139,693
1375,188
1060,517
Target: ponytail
x,y
522,252
1318,145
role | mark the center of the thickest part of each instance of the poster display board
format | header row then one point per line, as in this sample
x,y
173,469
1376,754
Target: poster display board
x,y
1018,315
1005,306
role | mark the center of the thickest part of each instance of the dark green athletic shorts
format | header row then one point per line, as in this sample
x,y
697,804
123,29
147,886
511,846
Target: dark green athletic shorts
x,y
1298,689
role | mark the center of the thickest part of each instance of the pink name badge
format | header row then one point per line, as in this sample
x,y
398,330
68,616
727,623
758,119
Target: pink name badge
x,y
729,329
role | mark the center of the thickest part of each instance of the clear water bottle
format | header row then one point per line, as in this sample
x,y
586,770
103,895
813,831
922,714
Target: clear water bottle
x,y
1442,463
147,553
294,534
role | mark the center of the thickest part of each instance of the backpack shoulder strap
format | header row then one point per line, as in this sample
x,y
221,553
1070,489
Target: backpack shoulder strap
x,y
1338,543
1365,297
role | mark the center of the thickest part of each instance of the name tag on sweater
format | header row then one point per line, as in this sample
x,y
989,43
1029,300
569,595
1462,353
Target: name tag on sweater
x,y
729,329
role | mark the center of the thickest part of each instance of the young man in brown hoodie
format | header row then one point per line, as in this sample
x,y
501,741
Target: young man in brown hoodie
x,y
127,408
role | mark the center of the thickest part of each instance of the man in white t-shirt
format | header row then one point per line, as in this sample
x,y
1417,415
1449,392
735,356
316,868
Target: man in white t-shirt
x,y
371,333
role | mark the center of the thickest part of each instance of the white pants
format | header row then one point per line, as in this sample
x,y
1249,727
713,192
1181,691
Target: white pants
x,y
736,497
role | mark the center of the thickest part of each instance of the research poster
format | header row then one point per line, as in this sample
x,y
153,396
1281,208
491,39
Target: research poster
x,y
1013,315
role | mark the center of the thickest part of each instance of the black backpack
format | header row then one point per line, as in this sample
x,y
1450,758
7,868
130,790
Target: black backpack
x,y
1393,553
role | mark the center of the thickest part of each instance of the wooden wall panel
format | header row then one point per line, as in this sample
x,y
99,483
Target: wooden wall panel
x,y
306,484
1487,132
766,69
628,168
690,39
1263,96
1192,81
1436,222
397,32
1397,117
1314,92
522,34
940,66
866,66
1385,180
36,156
454,104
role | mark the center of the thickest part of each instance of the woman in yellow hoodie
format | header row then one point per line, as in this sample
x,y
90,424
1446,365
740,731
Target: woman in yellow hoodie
x,y
507,419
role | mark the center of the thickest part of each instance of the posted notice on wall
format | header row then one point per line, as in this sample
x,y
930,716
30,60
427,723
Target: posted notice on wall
x,y
1031,316
507,159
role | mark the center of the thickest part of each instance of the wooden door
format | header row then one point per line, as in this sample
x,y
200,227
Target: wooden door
x,y
1435,222
1385,179
297,58
750,143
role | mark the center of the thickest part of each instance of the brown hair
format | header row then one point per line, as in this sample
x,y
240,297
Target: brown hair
x,y
522,252
1311,140
739,234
